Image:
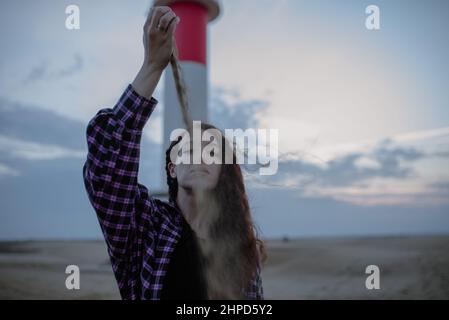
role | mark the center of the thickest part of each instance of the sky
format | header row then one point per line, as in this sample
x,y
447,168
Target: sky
x,y
363,116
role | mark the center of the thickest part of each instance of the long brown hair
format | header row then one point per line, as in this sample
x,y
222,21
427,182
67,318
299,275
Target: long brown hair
x,y
234,251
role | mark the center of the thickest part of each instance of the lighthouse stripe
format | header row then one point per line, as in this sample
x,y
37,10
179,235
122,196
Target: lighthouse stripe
x,y
191,34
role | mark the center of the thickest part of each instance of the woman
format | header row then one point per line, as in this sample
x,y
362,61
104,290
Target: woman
x,y
161,250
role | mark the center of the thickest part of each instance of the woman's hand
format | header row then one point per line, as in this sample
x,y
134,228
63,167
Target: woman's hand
x,y
158,37
159,43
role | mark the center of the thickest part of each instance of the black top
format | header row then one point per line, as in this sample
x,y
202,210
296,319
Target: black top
x,y
184,278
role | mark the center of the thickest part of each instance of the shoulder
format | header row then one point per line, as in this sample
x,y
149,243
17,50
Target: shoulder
x,y
155,209
167,210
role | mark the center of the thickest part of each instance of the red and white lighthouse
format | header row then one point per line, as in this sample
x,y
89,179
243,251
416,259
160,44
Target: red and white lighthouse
x,y
191,40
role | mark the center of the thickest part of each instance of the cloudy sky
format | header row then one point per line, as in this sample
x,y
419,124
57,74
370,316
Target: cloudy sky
x,y
363,116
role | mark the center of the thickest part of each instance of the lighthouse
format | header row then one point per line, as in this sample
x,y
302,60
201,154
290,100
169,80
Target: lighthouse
x,y
191,40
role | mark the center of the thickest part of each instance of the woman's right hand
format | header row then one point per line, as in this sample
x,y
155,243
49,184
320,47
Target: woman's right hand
x,y
159,44
158,37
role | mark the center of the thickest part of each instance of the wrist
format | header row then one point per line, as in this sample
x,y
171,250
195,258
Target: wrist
x,y
148,71
146,81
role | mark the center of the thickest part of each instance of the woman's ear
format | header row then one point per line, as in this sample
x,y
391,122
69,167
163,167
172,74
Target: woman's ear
x,y
171,169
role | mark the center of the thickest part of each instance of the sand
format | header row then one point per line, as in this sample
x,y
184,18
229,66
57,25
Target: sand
x,y
313,268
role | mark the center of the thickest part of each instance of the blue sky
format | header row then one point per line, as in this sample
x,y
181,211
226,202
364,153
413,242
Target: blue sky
x,y
363,116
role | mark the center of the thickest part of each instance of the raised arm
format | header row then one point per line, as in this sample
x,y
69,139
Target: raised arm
x,y
158,42
113,136
113,139
111,168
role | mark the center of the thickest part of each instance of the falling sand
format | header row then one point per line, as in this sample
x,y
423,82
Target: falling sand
x,y
222,241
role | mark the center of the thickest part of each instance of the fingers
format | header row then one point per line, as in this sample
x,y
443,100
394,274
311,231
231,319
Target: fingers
x,y
166,20
172,26
156,14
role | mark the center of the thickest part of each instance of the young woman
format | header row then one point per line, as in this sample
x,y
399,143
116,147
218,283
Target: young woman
x,y
158,249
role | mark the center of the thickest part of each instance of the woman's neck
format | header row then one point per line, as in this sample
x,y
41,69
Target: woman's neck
x,y
187,202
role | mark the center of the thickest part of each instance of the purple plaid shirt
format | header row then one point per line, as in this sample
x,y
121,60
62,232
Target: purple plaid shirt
x,y
141,232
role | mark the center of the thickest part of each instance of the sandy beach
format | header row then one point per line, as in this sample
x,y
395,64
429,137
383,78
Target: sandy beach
x,y
312,268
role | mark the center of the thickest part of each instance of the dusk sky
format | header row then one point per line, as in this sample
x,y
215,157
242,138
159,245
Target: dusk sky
x,y
363,116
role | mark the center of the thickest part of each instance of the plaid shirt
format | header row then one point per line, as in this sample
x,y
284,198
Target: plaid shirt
x,y
141,232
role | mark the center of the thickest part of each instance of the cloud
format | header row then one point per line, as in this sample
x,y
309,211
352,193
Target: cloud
x,y
368,173
32,123
280,211
8,171
385,175
440,186
31,133
229,111
76,66
37,73
381,192
44,71
422,135
36,151
384,161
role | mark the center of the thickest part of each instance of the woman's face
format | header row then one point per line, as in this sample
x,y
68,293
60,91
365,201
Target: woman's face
x,y
196,176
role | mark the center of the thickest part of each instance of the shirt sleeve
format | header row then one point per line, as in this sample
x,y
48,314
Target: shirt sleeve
x,y
255,288
110,175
